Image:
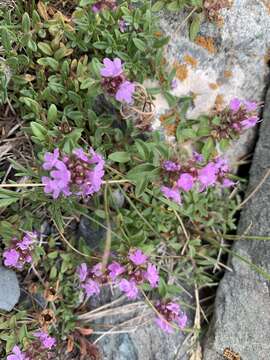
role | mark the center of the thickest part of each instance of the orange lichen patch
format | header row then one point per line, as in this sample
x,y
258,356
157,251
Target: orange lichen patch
x,y
212,9
181,71
207,43
188,59
170,121
219,102
158,33
266,3
213,86
228,74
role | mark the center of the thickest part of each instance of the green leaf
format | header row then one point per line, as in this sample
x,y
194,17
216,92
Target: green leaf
x,y
141,186
120,157
158,6
142,149
195,26
208,149
26,23
100,45
196,2
32,104
45,48
48,61
52,114
38,130
141,170
174,6
4,202
139,44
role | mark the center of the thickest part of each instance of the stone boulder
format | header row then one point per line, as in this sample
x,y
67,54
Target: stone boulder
x,y
242,308
9,289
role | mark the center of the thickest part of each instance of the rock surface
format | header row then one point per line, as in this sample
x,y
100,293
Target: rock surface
x,y
233,64
9,289
242,309
139,338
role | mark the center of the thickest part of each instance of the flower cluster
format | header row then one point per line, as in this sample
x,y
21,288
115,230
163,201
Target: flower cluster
x,y
46,341
114,81
170,316
193,175
238,117
78,174
19,252
127,276
104,5
17,354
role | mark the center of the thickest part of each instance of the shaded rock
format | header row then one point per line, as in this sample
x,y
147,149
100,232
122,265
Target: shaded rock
x,y
139,338
92,233
242,308
9,289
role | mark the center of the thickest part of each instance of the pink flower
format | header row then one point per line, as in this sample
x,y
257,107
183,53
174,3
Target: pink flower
x,y
27,241
91,287
112,68
174,84
181,321
47,341
207,175
250,106
164,325
151,275
137,257
172,194
97,270
125,92
11,257
249,123
227,183
79,174
171,166
235,104
17,354
115,269
82,271
185,182
50,159
129,288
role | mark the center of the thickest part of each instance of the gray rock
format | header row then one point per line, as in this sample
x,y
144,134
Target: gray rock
x,y
9,289
91,232
138,338
242,308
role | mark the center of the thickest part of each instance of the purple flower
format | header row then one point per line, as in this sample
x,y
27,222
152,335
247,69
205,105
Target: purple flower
x,y
115,269
164,325
112,68
97,270
174,84
122,25
82,271
249,123
171,166
17,354
207,175
151,275
171,193
227,183
47,341
137,257
50,159
197,157
235,104
173,307
12,257
181,321
91,287
185,182
250,106
129,288
125,92
27,241
78,174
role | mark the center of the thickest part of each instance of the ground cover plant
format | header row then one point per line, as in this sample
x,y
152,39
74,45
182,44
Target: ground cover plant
x,y
77,143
